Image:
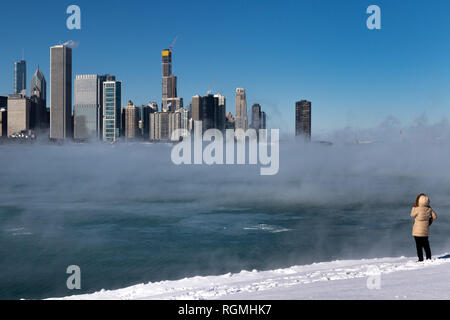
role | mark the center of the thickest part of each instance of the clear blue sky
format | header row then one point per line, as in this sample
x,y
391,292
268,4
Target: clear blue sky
x,y
280,51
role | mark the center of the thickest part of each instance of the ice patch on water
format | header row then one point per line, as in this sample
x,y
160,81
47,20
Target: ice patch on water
x,y
268,228
14,229
18,232
22,234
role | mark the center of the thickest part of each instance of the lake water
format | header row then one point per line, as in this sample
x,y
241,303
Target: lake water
x,y
126,215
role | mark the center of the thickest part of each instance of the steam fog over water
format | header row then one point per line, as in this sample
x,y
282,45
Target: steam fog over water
x,y
125,214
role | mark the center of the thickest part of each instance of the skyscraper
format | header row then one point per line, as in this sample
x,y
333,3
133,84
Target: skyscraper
x,y
84,122
174,124
3,116
112,99
258,120
209,109
3,122
196,108
303,119
263,120
159,126
241,121
131,121
146,110
20,77
209,105
184,120
86,105
18,114
101,79
39,86
256,117
3,102
86,89
219,112
122,122
170,101
38,96
60,92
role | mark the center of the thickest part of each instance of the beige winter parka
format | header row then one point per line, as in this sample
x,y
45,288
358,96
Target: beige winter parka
x,y
422,215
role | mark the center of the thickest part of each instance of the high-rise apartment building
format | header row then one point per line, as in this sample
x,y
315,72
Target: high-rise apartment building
x,y
179,120
174,124
146,110
159,126
112,99
184,120
60,92
20,77
303,119
131,121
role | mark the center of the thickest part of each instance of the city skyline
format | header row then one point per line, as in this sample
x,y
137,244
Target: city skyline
x,y
97,112
365,77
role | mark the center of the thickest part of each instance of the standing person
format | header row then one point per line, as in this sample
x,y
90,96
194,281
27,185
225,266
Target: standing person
x,y
423,216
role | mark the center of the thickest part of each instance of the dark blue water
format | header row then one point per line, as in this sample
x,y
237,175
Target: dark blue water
x,y
126,215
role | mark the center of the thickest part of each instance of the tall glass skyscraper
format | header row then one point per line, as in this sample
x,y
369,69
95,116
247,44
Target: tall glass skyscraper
x,y
303,119
86,104
112,97
20,77
101,80
38,96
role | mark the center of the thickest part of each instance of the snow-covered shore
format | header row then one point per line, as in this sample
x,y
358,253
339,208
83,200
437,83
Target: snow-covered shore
x,y
386,278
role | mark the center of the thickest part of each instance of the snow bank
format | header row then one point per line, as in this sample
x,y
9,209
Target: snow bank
x,y
386,278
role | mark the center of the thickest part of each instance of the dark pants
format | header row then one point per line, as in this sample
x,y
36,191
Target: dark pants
x,y
422,243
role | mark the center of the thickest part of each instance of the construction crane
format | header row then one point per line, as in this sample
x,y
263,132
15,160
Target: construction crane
x,y
173,43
